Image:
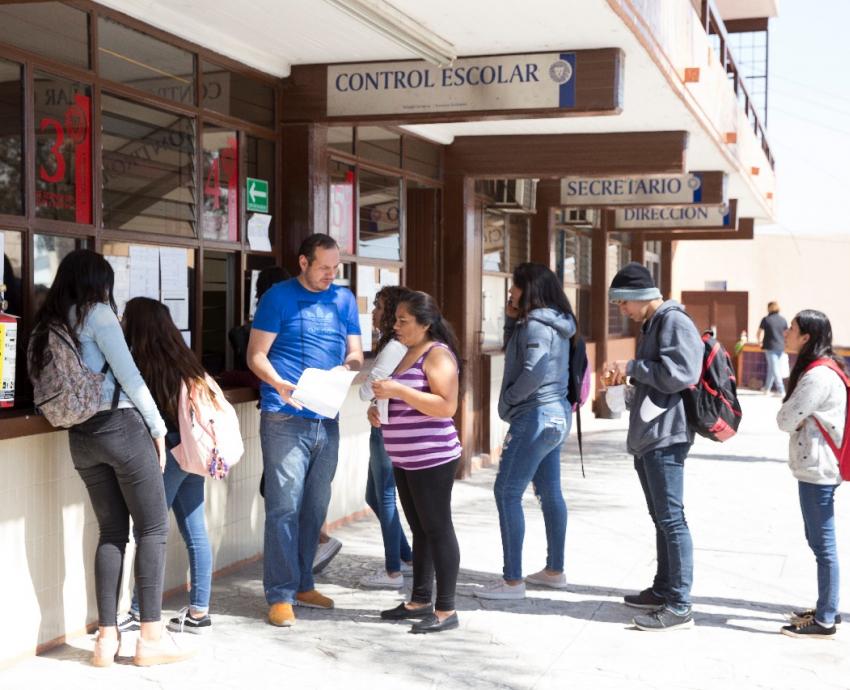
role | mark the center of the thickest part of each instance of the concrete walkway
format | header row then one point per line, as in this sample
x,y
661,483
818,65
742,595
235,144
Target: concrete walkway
x,y
752,566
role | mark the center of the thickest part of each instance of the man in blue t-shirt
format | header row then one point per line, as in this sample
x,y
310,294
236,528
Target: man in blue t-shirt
x,y
303,322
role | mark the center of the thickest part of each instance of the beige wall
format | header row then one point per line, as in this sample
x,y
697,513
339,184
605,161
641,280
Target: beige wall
x,y
799,273
48,532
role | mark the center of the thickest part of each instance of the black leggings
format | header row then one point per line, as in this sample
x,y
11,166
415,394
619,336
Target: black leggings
x,y
426,498
117,461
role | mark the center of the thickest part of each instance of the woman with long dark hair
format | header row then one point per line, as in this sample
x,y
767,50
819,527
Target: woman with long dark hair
x,y
380,485
119,452
814,406
538,326
421,440
154,340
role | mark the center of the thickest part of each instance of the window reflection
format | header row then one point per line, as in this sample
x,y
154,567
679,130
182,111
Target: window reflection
x,y
341,206
220,216
237,95
494,242
48,252
11,273
51,29
11,138
260,164
380,232
379,145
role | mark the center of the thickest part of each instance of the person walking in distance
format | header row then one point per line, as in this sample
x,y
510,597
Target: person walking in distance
x,y
667,361
421,440
303,322
538,326
771,336
380,484
816,405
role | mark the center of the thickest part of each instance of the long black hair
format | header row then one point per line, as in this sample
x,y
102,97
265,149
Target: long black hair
x,y
540,289
814,324
391,296
424,309
84,278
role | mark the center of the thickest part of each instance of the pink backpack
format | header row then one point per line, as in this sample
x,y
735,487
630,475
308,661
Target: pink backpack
x,y
210,440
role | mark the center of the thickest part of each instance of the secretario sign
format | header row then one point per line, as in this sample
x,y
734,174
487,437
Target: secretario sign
x,y
502,82
646,189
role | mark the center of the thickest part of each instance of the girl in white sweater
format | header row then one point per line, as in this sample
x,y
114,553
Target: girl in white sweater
x,y
816,393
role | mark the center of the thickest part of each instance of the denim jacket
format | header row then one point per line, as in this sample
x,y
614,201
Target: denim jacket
x,y
537,361
102,340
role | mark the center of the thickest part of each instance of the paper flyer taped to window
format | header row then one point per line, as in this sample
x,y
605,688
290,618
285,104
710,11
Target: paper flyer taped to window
x,y
323,391
258,232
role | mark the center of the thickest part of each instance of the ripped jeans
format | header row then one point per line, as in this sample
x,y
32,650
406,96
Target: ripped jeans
x,y
532,452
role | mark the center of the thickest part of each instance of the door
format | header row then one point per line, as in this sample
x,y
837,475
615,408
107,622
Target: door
x,y
723,311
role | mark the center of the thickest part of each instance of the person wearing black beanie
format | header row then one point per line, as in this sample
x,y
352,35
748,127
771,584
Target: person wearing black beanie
x,y
667,361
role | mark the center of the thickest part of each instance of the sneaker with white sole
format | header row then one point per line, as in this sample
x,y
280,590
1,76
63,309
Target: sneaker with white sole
x,y
129,622
810,629
664,620
185,622
501,590
382,580
544,579
325,553
807,615
406,568
166,650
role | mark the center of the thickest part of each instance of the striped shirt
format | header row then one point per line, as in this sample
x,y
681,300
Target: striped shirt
x,y
415,441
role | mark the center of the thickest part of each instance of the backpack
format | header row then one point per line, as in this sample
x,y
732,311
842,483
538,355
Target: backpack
x,y
842,454
210,440
578,386
66,391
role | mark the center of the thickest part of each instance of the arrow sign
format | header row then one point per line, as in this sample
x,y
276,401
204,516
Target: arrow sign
x,y
258,195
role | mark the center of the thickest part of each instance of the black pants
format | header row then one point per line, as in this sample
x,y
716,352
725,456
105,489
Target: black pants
x,y
114,455
426,498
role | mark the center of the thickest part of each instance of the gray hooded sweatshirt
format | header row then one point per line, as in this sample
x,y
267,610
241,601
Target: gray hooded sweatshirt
x,y
537,361
668,360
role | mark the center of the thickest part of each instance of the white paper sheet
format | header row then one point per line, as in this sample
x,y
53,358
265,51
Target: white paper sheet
x,y
187,337
383,410
389,277
179,308
366,331
144,272
173,272
253,308
323,392
258,232
121,289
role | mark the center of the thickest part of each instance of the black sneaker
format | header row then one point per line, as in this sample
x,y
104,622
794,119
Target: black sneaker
x,y
647,599
809,628
183,622
664,620
129,622
798,617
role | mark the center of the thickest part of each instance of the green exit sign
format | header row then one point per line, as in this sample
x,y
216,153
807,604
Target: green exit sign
x,y
258,195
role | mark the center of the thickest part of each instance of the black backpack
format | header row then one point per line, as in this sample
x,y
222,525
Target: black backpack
x,y
578,367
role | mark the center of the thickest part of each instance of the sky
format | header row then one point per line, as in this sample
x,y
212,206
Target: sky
x,y
808,125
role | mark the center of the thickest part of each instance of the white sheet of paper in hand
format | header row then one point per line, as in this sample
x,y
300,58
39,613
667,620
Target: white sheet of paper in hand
x,y
322,391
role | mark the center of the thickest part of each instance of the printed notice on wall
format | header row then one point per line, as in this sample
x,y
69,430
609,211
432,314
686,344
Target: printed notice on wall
x,y
121,289
144,272
173,266
258,232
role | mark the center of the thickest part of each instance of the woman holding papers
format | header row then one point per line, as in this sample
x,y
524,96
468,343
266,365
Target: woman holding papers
x,y
422,443
380,485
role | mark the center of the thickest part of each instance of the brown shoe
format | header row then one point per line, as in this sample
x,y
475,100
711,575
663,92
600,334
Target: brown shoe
x,y
314,600
166,650
281,615
105,651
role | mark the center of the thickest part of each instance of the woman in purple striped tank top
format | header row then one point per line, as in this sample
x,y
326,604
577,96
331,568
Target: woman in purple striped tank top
x,y
421,440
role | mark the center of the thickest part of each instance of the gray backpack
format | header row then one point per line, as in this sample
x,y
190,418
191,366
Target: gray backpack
x,y
66,391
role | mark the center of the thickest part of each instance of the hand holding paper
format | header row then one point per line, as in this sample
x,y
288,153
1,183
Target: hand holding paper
x,y
323,392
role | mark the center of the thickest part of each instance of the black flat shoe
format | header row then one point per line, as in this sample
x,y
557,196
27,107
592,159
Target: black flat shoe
x,y
401,612
433,624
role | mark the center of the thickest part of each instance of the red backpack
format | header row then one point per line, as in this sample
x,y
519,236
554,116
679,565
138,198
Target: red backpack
x,y
842,454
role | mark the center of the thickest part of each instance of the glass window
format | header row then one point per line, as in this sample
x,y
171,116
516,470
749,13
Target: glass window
x,y
380,216
519,246
237,95
260,164
148,169
341,206
11,271
341,139
494,241
62,149
51,29
220,214
379,145
11,138
254,263
619,255
494,296
141,61
48,252
219,314
370,280
652,259
422,157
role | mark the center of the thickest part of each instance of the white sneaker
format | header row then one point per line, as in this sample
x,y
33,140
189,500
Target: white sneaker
x,y
325,554
382,580
544,579
406,568
501,590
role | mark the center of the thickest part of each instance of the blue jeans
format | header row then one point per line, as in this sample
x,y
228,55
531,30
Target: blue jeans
x,y
380,497
773,374
662,474
816,503
299,463
532,452
184,494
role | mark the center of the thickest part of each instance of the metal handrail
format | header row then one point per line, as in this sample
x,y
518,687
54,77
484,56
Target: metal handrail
x,y
713,24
